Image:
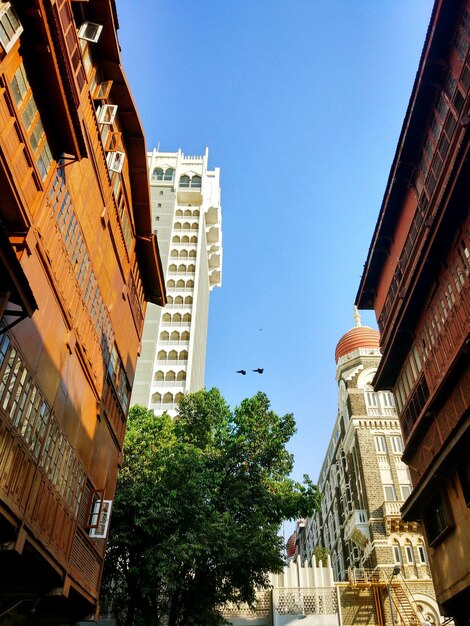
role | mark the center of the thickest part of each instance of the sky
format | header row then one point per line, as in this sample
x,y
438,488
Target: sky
x,y
300,103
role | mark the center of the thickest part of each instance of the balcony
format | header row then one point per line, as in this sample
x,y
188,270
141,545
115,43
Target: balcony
x,y
392,518
356,527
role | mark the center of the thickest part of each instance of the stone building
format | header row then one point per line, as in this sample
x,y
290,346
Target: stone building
x,y
78,263
364,483
186,213
417,279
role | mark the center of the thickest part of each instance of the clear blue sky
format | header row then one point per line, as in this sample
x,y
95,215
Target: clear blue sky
x,y
300,103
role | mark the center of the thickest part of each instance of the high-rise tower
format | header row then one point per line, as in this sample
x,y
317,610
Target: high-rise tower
x,y
186,213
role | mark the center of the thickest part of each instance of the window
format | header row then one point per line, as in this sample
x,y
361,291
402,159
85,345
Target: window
x,y
101,91
389,491
169,174
436,518
10,27
380,445
115,161
184,181
409,553
90,31
422,553
405,491
397,553
196,182
397,444
107,113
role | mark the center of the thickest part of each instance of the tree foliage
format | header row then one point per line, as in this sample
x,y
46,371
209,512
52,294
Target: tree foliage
x,y
198,508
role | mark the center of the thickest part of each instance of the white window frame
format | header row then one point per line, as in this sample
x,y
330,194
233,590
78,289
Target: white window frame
x,y
102,509
393,492
380,444
397,444
107,114
409,554
397,554
6,11
404,488
422,553
82,31
115,161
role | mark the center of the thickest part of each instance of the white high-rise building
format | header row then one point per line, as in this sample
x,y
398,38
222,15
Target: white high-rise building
x,y
186,213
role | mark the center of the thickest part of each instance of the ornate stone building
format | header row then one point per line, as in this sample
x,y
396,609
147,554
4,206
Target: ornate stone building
x,y
364,482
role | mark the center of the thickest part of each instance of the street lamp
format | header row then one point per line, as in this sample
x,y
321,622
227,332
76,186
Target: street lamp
x,y
395,572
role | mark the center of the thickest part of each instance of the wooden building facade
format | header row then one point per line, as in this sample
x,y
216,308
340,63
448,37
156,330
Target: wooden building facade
x,y
78,262
417,278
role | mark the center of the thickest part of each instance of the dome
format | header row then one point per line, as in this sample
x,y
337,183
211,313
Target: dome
x,y
358,337
291,547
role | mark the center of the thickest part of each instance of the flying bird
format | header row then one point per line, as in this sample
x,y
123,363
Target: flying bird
x,y
243,372
260,370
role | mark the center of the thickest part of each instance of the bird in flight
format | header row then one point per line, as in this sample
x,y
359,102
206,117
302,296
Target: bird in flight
x,y
260,370
243,372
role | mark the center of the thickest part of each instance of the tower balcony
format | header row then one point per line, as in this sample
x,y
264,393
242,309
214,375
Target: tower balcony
x,y
356,527
392,518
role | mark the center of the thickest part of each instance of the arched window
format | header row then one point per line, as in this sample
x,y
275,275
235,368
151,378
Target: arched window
x,y
397,552
176,239
192,253
187,317
157,174
166,317
194,239
179,397
170,375
169,173
159,375
161,355
186,226
184,181
184,254
170,284
180,284
183,355
196,213
172,268
177,226
190,284
181,375
409,552
175,336
179,300
164,336
185,335
185,239
421,552
194,226
196,181
172,355
168,398
177,317
182,269
169,299
178,212
156,398
187,213
174,253
191,268
188,300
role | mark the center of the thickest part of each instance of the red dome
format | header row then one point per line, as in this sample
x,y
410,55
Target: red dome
x,y
357,337
291,546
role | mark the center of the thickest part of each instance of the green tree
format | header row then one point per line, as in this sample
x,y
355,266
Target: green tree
x,y
198,508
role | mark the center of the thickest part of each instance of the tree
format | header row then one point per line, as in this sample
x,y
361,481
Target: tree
x,y
197,510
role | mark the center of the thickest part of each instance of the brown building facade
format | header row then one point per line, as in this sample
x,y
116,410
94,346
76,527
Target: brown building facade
x,y
78,261
417,278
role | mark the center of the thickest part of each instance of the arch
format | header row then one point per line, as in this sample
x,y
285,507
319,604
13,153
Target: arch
x,y
170,284
180,284
194,239
196,213
188,300
365,377
190,283
185,335
172,268
182,268
192,253
191,268
175,336
196,181
161,356
166,317
164,336
179,396
187,317
170,375
177,317
156,398
179,300
159,375
184,181
176,239
177,225
169,299
183,355
195,226
181,375
185,239
186,226
169,174
184,254
187,213
174,253
168,398
157,174
172,355
179,212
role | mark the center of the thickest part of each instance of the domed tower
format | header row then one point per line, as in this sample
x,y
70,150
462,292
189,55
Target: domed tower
x,y
363,478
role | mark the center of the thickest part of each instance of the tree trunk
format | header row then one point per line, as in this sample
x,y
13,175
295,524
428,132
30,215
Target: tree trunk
x,y
174,614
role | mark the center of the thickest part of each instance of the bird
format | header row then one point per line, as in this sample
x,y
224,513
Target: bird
x,y
260,370
243,372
